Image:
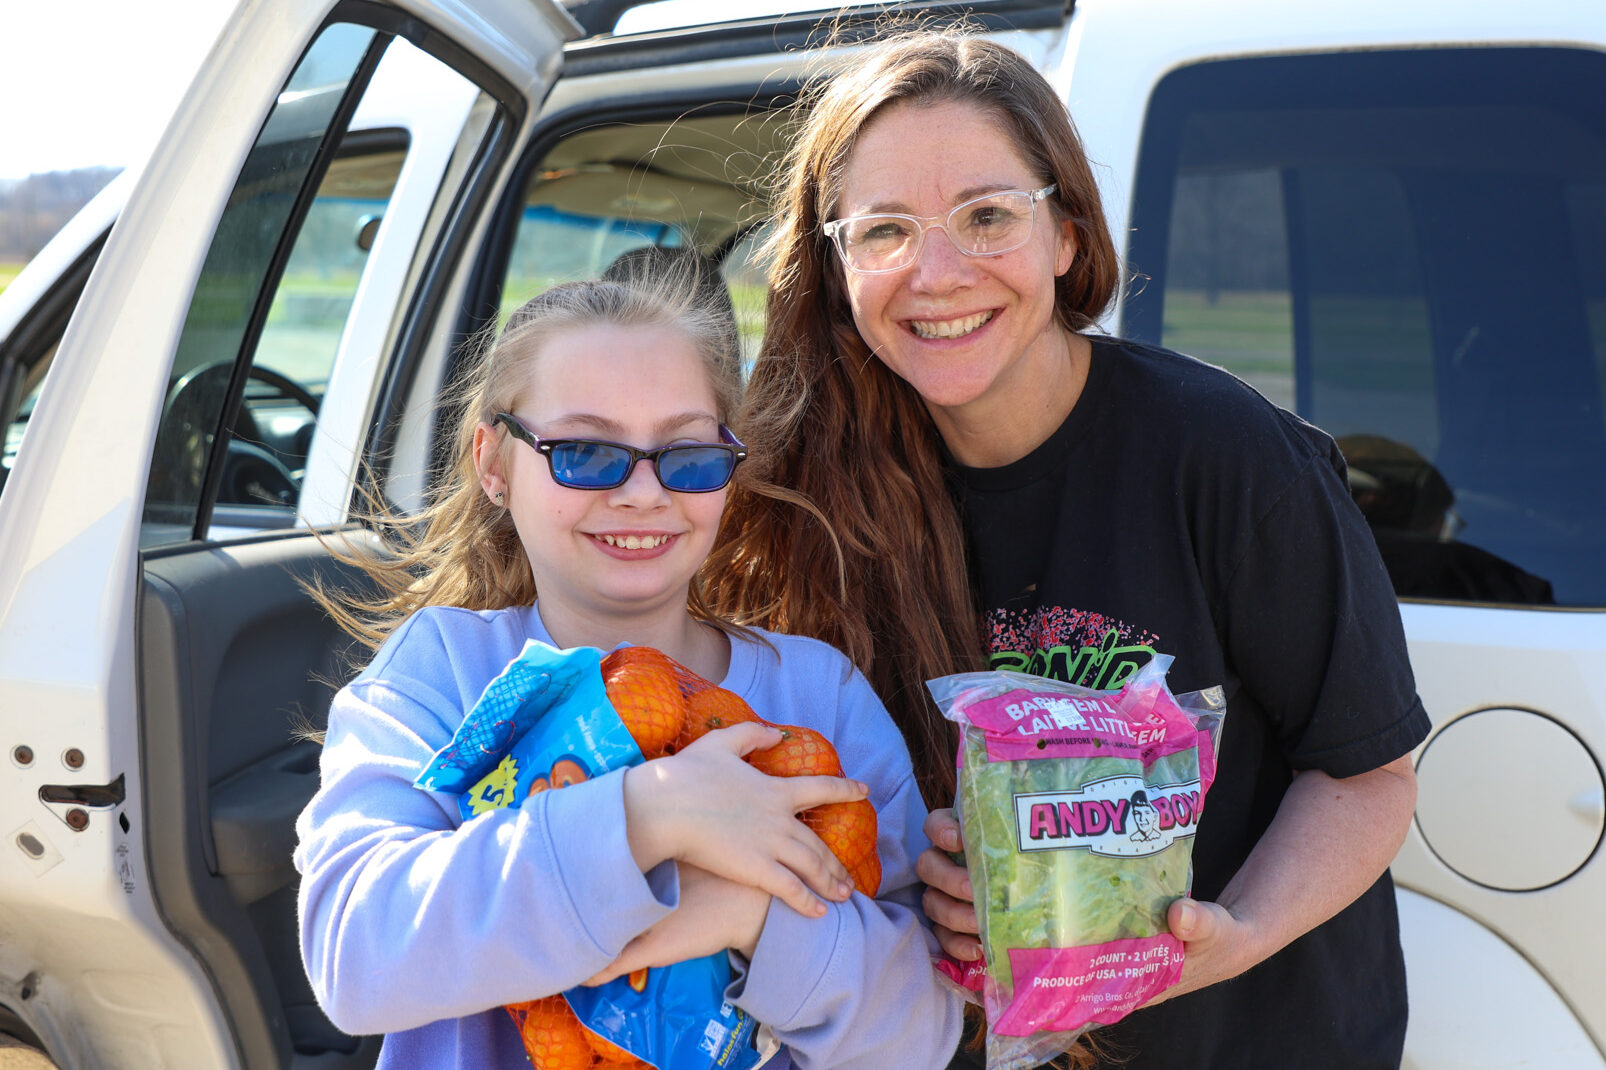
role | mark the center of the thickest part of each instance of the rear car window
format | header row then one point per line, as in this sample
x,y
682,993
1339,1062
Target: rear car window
x,y
690,185
1407,248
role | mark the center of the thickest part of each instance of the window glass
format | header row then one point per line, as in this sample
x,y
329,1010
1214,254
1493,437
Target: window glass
x,y
556,246
749,290
1408,249
602,195
238,271
1226,279
288,266
273,429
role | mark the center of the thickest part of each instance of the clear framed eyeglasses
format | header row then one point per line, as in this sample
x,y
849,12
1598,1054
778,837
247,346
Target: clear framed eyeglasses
x,y
984,226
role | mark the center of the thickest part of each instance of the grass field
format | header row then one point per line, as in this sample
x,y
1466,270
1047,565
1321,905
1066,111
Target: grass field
x,y
8,271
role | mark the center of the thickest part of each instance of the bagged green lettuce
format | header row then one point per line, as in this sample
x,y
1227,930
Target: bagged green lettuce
x,y
1078,809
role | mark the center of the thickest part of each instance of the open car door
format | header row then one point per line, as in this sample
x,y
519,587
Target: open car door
x,y
280,267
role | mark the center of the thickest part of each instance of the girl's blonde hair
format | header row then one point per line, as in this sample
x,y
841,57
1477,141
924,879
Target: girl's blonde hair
x,y
462,549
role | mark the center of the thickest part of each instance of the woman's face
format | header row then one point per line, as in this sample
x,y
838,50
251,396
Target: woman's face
x,y
973,335
629,553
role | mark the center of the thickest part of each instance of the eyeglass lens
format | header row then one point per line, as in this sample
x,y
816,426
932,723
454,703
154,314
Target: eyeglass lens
x,y
986,226
601,465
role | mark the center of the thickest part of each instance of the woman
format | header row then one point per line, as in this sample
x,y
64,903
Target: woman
x,y
1011,490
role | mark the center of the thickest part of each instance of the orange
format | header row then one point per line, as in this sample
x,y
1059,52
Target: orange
x,y
608,1051
553,1037
712,708
643,687
866,874
801,752
849,830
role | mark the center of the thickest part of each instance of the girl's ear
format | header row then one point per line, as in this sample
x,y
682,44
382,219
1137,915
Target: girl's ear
x,y
488,459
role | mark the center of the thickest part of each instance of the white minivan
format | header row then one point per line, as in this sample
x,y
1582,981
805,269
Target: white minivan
x,y
1387,215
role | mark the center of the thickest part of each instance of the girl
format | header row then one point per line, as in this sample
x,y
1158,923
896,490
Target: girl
x,y
592,468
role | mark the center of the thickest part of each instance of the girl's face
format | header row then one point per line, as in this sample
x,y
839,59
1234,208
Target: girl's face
x,y
973,335
626,554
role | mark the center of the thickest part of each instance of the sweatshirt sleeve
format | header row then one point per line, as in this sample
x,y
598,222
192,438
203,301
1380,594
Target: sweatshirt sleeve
x,y
408,917
856,988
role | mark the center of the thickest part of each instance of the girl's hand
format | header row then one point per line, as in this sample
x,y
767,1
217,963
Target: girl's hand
x,y
707,807
714,914
949,900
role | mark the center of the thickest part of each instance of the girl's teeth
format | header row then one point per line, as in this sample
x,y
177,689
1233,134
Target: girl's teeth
x,y
949,328
635,542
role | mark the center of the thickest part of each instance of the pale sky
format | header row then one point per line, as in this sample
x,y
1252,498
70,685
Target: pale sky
x,y
92,82
85,83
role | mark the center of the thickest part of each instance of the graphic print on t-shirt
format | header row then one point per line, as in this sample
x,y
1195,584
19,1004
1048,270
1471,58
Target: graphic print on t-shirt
x,y
1074,645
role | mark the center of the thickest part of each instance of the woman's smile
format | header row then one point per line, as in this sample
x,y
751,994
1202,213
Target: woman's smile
x,y
958,327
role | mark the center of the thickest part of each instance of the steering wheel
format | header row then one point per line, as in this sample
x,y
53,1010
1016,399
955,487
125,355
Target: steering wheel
x,y
251,474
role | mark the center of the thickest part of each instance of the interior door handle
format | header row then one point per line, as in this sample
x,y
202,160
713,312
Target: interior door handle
x,y
89,796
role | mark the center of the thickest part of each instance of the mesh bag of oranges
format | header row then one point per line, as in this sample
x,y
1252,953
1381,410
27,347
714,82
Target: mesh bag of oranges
x,y
555,718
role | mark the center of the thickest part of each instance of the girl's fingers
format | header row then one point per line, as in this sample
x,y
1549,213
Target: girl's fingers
x,y
818,867
811,791
791,864
789,888
740,739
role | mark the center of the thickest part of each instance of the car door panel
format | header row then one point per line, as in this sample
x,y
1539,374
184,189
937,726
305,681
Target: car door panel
x,y
236,666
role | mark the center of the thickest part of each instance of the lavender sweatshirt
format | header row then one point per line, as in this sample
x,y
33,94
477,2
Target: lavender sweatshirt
x,y
418,926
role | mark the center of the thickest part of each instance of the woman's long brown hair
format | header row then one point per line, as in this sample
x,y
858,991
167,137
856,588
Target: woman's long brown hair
x,y
828,421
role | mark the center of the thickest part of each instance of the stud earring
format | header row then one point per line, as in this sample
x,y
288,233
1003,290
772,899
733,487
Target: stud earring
x,y
501,499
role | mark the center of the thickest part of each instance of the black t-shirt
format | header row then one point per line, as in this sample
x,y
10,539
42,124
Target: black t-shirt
x,y
1177,511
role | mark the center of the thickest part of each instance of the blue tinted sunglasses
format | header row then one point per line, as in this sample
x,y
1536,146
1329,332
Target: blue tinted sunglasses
x,y
590,464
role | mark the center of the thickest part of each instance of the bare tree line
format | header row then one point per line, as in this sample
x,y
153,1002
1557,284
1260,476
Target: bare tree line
x,y
32,209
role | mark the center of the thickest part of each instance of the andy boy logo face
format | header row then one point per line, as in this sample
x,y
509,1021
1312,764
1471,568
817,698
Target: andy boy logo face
x,y
1121,816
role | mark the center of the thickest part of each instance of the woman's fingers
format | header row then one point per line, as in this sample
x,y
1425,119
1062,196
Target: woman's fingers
x,y
939,871
962,946
784,884
942,829
958,915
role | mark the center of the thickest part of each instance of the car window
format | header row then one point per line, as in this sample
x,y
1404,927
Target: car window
x,y
1408,249
269,317
745,277
602,194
